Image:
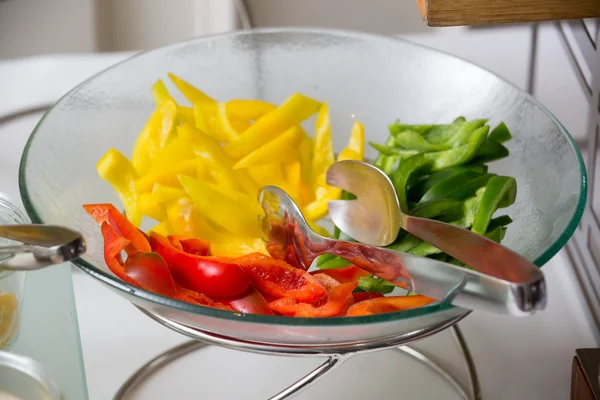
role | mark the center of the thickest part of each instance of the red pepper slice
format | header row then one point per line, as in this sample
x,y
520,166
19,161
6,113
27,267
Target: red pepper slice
x,y
251,302
327,281
279,279
349,302
361,296
336,299
190,296
150,270
195,246
109,214
285,306
212,276
344,275
388,304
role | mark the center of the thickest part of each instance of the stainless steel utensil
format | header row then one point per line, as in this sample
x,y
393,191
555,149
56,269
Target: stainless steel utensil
x,y
39,247
375,217
289,234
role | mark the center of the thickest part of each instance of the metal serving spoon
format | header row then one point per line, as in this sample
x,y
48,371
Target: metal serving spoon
x,y
40,246
375,217
290,237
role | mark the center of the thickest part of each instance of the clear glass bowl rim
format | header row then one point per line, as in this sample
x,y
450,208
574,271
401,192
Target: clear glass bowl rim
x,y
128,289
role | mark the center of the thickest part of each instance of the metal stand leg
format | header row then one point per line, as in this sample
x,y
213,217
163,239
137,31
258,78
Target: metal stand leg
x,y
332,362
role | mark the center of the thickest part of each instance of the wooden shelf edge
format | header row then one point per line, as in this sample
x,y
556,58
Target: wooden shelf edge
x,y
478,12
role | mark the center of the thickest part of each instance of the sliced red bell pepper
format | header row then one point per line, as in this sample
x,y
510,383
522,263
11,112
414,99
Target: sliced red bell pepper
x,y
285,306
251,302
327,281
195,246
212,276
336,299
144,270
349,302
150,270
388,304
193,297
109,214
344,275
360,296
278,278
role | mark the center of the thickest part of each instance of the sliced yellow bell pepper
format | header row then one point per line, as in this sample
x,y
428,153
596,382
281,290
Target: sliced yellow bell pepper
x,y
157,132
182,217
319,208
282,149
232,246
150,208
116,169
163,228
231,128
248,110
222,211
220,165
176,152
318,229
306,151
186,115
323,156
166,194
357,139
293,173
167,176
292,112
160,92
208,121
193,94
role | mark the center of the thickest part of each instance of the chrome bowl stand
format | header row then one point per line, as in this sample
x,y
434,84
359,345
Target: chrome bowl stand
x,y
335,355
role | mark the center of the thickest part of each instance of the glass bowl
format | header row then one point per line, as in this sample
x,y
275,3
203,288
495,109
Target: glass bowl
x,y
372,78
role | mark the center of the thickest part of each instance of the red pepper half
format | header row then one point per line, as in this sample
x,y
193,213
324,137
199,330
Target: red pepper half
x,y
251,302
109,214
279,279
388,304
212,276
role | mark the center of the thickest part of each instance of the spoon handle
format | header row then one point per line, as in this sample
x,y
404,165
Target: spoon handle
x,y
477,251
445,282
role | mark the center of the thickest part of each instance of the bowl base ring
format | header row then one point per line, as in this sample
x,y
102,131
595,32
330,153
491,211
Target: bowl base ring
x,y
334,357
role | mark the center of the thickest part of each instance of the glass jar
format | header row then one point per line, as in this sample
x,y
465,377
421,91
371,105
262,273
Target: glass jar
x,y
12,283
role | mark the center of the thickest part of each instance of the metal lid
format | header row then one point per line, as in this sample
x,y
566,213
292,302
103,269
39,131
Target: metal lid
x,y
25,378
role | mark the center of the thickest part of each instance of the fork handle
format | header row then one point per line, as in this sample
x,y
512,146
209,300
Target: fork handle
x,y
477,251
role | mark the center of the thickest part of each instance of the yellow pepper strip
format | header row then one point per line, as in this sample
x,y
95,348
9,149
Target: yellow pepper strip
x,y
208,122
220,165
348,154
176,152
306,151
224,212
264,175
284,148
154,136
357,140
323,155
162,228
167,177
318,208
293,173
116,169
193,94
166,194
248,110
232,129
233,246
150,208
160,92
318,229
292,112
186,115
182,218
